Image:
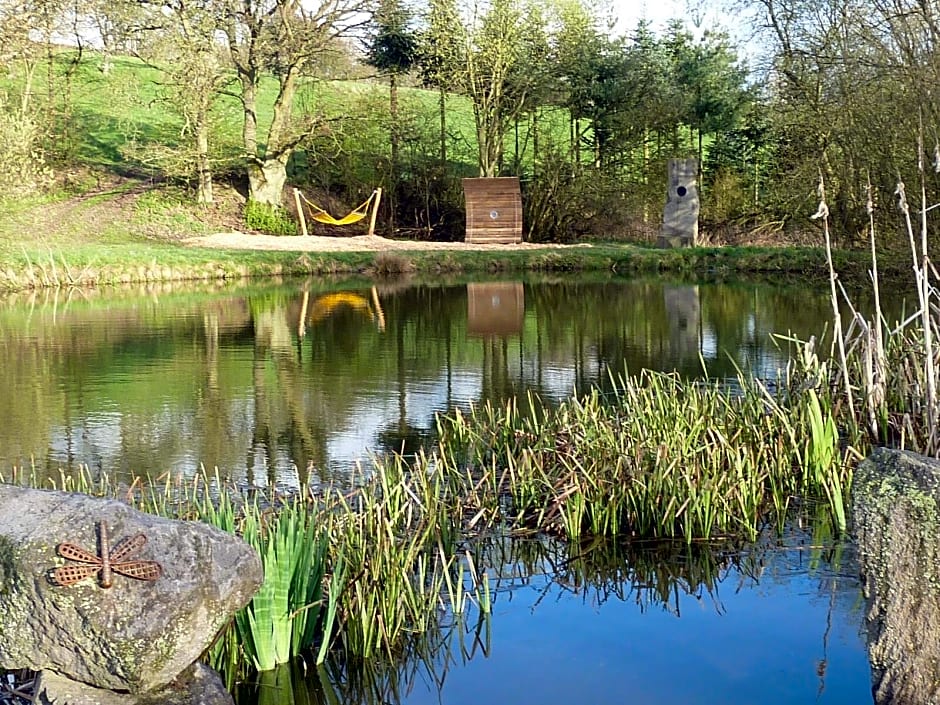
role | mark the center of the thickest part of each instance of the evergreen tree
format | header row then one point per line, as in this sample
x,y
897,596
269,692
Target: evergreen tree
x,y
393,51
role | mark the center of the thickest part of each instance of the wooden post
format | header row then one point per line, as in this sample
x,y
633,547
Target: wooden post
x,y
375,210
379,313
300,212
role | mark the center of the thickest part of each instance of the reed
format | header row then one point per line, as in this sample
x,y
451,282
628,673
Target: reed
x,y
662,457
396,536
893,366
359,570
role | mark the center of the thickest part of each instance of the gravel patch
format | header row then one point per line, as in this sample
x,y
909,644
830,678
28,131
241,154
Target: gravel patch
x,y
357,243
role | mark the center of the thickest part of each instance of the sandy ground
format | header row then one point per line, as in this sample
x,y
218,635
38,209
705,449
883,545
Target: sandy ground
x,y
358,243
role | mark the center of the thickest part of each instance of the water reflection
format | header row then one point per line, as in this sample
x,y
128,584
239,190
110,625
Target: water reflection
x,y
604,622
273,384
495,309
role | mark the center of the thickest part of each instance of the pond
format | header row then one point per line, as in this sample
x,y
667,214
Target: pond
x,y
282,384
775,624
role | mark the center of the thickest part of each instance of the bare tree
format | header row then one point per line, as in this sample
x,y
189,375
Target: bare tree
x,y
283,38
180,39
501,71
23,122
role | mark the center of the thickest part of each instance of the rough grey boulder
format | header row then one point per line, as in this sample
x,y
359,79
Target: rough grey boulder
x,y
896,505
197,685
135,636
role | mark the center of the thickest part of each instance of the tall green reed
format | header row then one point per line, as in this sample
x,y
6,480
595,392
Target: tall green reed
x,y
660,457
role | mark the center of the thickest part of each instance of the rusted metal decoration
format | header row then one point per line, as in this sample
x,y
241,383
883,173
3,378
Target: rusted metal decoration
x,y
107,562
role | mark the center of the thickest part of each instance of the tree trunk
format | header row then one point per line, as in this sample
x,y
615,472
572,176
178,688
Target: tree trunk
x,y
577,143
489,139
267,170
393,116
598,148
535,142
701,163
442,106
646,175
266,181
204,189
395,138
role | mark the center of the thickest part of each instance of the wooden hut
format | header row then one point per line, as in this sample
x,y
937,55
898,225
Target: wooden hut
x,y
494,210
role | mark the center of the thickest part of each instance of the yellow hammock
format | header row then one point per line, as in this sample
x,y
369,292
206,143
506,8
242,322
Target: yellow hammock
x,y
354,216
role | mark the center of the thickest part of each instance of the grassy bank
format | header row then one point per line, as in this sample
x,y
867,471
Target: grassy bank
x,y
129,231
97,264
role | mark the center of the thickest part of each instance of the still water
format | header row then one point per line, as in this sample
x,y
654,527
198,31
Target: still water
x,y
277,384
775,624
294,382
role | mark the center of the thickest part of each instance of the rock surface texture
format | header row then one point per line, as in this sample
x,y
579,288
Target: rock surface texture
x,y
680,214
135,636
896,502
197,685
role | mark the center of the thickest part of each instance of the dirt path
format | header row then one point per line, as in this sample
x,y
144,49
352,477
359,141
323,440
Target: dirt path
x,y
357,243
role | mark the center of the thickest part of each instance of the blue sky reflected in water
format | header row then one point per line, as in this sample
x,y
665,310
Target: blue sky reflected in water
x,y
763,641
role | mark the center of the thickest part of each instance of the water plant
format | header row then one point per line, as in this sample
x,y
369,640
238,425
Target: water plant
x,y
282,618
659,457
891,367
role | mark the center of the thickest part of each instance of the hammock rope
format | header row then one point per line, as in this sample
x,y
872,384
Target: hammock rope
x,y
354,216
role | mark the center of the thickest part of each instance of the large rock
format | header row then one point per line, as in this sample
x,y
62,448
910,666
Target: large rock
x,y
135,636
197,685
896,496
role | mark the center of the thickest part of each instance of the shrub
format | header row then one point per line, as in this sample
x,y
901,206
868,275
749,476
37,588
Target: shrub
x,y
22,165
268,219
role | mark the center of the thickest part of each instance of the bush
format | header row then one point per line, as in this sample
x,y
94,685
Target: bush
x,y
22,165
268,219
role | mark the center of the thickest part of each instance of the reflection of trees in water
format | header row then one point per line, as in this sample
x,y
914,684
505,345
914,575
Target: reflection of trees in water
x,y
91,379
230,381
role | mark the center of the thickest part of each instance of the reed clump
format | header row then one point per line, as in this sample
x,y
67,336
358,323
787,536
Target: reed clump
x,y
661,457
885,380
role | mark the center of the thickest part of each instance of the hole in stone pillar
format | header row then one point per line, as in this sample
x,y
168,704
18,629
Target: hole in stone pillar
x,y
681,191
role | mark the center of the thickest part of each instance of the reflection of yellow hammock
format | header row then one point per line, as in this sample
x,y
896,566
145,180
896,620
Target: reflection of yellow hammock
x,y
327,304
354,216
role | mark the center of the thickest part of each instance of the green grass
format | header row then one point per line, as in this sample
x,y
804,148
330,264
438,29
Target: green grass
x,y
122,252
120,260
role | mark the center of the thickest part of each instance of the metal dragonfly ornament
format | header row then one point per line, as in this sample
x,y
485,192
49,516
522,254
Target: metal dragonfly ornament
x,y
108,561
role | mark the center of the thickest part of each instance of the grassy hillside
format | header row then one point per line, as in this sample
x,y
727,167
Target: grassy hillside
x,y
112,214
115,116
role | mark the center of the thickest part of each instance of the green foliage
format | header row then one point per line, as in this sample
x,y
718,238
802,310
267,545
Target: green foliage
x,y
822,455
23,168
663,458
268,219
281,620
557,204
440,49
394,47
